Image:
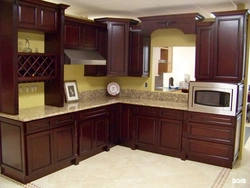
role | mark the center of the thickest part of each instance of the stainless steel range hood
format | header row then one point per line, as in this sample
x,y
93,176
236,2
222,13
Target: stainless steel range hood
x,y
84,57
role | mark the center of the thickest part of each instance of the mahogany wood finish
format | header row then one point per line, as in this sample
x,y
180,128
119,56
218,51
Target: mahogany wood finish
x,y
157,130
212,139
185,22
139,53
118,45
37,148
93,132
221,47
113,118
31,16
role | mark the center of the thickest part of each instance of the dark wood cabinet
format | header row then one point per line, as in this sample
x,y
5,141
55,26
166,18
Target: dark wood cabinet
x,y
31,16
158,130
139,51
212,139
113,122
82,34
41,146
118,45
92,132
37,16
218,58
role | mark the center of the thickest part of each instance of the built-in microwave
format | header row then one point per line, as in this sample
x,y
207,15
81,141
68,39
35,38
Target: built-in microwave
x,y
216,98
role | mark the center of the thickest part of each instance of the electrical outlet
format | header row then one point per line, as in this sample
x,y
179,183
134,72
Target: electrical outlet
x,y
146,85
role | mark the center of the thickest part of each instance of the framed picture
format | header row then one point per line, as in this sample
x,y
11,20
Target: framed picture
x,y
71,91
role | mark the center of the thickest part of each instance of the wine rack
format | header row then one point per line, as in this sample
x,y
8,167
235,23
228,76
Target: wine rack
x,y
36,67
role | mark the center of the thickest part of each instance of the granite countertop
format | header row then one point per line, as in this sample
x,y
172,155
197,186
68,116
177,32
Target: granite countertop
x,y
39,112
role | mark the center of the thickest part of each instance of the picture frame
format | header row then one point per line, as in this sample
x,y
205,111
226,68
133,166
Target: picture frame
x,y
71,91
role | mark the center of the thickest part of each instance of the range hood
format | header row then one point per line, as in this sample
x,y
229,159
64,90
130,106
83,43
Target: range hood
x,y
84,57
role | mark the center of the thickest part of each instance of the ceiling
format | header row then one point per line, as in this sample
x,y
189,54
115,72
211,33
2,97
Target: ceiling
x,y
139,8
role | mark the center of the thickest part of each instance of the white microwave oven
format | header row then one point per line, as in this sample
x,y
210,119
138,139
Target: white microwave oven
x,y
216,98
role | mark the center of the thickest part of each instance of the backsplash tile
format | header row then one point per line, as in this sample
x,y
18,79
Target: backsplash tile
x,y
137,94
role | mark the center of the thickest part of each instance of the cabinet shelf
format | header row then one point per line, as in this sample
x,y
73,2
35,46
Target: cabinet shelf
x,y
36,67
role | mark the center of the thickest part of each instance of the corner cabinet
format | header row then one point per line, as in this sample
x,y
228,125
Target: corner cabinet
x,y
16,67
221,47
118,45
139,53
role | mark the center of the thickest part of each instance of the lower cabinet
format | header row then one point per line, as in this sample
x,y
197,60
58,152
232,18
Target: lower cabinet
x,y
158,130
212,139
92,132
40,147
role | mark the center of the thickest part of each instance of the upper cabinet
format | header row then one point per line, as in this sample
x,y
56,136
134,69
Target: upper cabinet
x,y
118,45
31,16
221,47
139,53
82,34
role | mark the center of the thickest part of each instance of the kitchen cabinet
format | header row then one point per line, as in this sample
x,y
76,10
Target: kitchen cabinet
x,y
37,16
82,34
31,16
40,147
113,123
212,139
139,53
118,45
158,130
217,58
92,132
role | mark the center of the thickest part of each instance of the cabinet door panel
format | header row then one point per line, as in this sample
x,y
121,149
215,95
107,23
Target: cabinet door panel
x,y
86,136
72,36
101,134
90,37
146,130
48,19
64,143
170,134
27,14
40,151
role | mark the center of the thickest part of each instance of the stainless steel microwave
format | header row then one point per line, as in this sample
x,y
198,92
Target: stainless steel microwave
x,y
216,98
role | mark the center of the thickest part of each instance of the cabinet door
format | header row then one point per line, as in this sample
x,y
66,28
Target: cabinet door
x,y
86,136
138,64
118,37
146,128
48,19
64,143
27,15
113,124
40,153
72,35
90,37
204,51
101,131
230,40
169,134
125,130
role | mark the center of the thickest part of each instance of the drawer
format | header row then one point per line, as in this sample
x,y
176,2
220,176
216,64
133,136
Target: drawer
x,y
211,153
65,119
212,133
92,113
171,114
38,125
213,119
146,111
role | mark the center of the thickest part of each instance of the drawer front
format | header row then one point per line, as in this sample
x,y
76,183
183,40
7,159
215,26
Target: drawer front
x,y
65,119
92,113
210,133
212,153
38,125
147,111
171,114
211,119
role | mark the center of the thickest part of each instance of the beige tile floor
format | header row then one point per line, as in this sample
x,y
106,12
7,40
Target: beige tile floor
x,y
122,167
